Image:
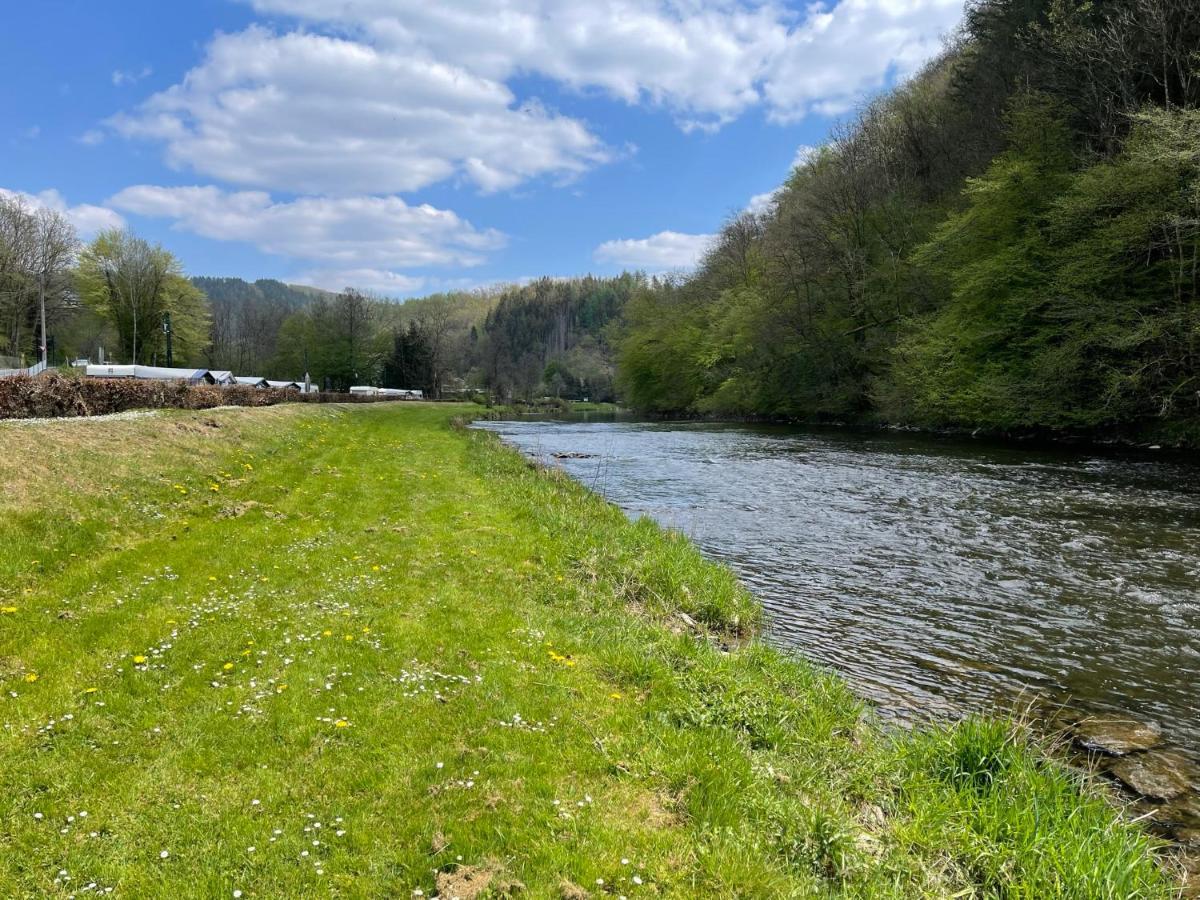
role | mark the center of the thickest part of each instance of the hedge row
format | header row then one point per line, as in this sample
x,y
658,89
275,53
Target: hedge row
x,y
52,396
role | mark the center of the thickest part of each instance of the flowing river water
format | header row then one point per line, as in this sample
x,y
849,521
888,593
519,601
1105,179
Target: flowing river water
x,y
939,576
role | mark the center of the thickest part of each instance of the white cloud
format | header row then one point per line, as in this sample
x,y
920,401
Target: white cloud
x,y
805,154
705,60
387,96
339,233
660,252
309,113
851,49
121,78
761,204
376,281
87,219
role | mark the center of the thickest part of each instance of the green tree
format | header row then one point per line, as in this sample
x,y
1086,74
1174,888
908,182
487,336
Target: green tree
x,y
133,284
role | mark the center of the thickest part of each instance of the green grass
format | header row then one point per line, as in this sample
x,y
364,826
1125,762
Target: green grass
x,y
244,623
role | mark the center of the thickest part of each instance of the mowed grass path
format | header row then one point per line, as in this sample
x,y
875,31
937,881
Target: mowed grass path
x,y
356,652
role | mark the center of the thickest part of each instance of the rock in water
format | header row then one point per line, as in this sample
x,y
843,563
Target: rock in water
x,y
1159,776
1116,736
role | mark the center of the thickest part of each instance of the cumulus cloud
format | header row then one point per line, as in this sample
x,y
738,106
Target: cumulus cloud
x,y
87,219
310,113
386,96
843,52
705,60
660,252
340,233
762,203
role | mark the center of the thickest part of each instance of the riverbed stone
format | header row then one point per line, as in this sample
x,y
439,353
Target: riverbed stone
x,y
1115,735
1159,776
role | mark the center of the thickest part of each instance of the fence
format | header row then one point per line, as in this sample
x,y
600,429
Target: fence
x,y
31,371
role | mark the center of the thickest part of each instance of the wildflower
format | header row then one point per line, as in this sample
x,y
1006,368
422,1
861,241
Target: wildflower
x,y
214,487
341,723
31,677
164,854
615,695
227,666
8,610
139,660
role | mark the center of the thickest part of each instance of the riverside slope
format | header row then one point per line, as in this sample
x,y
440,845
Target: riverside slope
x,y
357,652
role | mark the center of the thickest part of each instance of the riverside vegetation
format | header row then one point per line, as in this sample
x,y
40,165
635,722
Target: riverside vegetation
x,y
356,651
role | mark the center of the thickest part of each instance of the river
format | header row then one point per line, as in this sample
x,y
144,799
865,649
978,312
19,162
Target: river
x,y
938,575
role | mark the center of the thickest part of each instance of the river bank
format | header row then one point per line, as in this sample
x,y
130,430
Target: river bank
x,y
304,651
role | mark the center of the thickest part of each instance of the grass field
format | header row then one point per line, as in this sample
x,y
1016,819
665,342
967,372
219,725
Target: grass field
x,y
356,652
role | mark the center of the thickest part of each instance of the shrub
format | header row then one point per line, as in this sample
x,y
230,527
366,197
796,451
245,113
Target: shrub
x,y
53,395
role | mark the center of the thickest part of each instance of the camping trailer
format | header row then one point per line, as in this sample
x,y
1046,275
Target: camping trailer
x,y
153,373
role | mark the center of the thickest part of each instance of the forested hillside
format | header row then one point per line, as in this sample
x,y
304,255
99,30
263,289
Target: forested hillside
x,y
1010,240
548,338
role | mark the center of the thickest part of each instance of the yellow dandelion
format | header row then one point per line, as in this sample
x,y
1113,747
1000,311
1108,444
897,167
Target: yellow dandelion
x,y
614,695
31,677
90,690
8,610
327,633
375,568
214,487
348,637
341,723
227,666
139,660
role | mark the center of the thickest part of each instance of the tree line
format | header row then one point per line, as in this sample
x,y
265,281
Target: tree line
x,y
113,297
116,291
1009,240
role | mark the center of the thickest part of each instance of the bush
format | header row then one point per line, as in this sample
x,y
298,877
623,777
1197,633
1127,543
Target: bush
x,y
53,396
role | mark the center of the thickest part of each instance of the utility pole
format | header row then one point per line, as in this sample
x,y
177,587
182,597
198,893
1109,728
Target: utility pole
x,y
167,331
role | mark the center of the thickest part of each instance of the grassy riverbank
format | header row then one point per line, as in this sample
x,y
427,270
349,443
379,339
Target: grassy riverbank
x,y
356,652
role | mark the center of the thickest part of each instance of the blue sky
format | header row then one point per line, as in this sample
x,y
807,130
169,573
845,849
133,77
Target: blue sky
x,y
406,147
